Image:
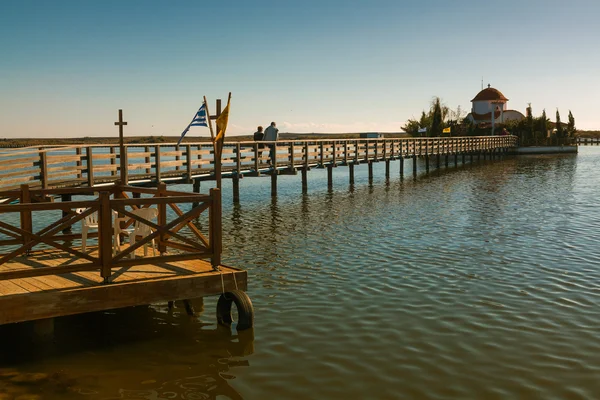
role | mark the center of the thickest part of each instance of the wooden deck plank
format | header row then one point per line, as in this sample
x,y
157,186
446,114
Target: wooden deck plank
x,y
48,296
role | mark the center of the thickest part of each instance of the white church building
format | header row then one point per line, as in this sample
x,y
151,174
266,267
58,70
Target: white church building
x,y
490,102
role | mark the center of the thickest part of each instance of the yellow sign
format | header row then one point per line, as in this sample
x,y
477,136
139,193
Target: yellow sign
x,y
446,130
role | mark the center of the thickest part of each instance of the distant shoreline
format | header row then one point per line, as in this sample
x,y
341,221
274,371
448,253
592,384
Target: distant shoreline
x,y
25,142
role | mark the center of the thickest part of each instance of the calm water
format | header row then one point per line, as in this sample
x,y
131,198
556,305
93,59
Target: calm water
x,y
477,282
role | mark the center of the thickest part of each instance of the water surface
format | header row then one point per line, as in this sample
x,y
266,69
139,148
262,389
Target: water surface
x,y
479,281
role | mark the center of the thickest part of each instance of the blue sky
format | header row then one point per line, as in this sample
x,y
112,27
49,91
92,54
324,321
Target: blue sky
x,y
312,66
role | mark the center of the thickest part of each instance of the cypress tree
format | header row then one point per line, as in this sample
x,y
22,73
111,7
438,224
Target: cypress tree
x,y
436,122
571,125
559,128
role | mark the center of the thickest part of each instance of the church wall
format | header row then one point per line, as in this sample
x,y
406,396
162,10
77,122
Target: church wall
x,y
483,106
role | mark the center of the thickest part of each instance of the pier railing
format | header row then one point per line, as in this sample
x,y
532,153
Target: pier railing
x,y
75,166
31,221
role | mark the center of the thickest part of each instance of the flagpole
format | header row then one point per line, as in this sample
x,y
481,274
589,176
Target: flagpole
x,y
212,135
218,146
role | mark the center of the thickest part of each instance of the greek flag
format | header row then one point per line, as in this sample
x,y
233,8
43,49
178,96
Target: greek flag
x,y
199,120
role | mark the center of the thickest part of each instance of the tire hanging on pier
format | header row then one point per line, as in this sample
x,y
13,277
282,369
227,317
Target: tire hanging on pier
x,y
244,307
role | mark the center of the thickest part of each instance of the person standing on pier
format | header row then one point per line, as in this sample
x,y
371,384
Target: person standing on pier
x,y
259,134
271,135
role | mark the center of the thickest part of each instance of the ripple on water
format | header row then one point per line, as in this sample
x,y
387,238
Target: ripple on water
x,y
476,282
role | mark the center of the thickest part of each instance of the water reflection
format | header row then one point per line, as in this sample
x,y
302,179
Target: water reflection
x,y
152,353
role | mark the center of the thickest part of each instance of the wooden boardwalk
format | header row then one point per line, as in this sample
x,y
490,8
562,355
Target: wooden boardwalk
x,y
45,271
149,164
48,296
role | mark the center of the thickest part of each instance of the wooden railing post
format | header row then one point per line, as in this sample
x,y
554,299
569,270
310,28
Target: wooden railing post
x,y
345,152
112,160
334,150
256,166
124,165
26,220
105,231
177,157
188,162
238,159
79,163
216,232
162,216
291,159
44,169
157,163
90,166
147,159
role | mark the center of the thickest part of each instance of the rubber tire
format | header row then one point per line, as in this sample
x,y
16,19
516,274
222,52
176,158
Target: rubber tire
x,y
244,307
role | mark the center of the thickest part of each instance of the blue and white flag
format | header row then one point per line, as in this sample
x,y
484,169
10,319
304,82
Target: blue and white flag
x,y
199,120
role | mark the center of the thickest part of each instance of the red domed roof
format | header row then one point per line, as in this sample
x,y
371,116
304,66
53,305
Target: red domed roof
x,y
490,94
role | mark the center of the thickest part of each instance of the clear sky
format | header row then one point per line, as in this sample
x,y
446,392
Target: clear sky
x,y
66,67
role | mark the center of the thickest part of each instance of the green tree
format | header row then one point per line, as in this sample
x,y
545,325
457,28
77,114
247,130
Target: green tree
x,y
530,132
559,129
571,126
437,119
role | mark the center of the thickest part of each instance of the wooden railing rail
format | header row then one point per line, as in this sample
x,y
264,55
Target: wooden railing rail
x,y
19,237
93,165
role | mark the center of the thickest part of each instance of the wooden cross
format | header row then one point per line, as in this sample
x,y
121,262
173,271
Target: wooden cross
x,y
122,156
218,110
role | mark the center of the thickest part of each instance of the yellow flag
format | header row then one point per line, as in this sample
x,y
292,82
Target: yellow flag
x,y
446,130
222,124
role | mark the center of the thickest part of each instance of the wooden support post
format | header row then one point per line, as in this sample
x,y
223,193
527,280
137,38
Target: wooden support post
x,y
455,159
137,195
438,160
329,176
401,167
479,155
426,163
387,169
351,173
105,232
274,183
415,165
90,166
304,179
370,165
196,189
236,188
446,159
463,158
216,229
65,197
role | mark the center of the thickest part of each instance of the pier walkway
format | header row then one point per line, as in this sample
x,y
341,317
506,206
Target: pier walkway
x,y
50,268
149,164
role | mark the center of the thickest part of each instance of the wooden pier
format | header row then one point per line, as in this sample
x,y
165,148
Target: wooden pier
x,y
147,165
45,271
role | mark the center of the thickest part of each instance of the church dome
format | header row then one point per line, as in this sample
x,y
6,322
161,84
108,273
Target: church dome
x,y
490,94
